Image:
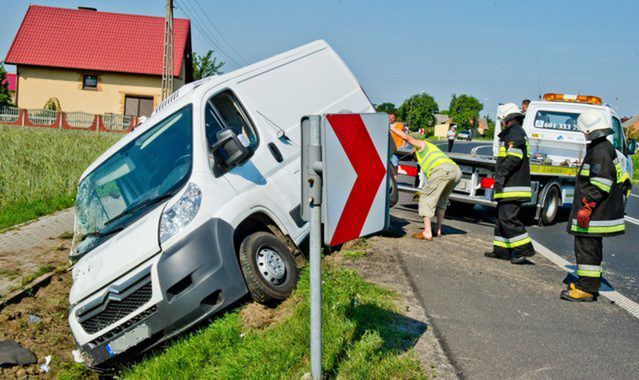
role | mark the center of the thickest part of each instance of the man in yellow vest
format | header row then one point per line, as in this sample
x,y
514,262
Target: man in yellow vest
x,y
442,175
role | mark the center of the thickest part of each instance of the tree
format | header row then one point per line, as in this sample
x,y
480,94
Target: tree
x,y
5,95
418,111
206,65
464,110
53,104
386,107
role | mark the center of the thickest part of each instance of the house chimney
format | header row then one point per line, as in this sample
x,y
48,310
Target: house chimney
x,y
88,9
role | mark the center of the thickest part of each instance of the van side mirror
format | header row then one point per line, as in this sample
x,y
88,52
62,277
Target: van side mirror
x,y
632,147
229,150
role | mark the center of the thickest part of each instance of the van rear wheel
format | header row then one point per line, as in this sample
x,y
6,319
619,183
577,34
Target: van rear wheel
x,y
268,267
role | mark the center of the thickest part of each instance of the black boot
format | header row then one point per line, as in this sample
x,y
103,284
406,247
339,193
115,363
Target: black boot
x,y
496,255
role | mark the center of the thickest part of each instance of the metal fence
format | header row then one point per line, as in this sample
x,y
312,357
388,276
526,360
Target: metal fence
x,y
115,122
81,120
42,116
9,114
109,122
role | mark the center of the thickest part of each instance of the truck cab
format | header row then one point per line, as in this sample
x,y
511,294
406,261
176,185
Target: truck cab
x,y
200,204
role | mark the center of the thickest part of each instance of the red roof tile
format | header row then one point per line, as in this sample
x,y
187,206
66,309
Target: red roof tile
x,y
90,40
10,79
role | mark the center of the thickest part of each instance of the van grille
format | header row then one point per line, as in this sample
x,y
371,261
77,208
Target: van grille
x,y
115,307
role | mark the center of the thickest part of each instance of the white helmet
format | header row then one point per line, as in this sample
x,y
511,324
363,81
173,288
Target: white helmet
x,y
594,123
508,111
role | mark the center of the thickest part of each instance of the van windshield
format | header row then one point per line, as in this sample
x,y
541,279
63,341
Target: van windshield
x,y
560,121
147,170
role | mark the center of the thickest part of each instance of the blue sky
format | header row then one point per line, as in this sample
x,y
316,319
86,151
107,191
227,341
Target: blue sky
x,y
498,51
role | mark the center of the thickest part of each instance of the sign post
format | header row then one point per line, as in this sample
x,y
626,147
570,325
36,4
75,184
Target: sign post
x,y
344,184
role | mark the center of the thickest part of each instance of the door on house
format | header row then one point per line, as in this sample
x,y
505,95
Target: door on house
x,y
138,105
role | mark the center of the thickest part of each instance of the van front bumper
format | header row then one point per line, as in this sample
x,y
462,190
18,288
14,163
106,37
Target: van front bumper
x,y
198,276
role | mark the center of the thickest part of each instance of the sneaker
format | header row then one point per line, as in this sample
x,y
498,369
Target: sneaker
x,y
577,295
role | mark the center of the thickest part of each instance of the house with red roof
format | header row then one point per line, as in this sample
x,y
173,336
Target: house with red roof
x,y
95,62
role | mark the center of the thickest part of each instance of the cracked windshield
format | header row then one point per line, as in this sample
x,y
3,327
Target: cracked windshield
x,y
148,169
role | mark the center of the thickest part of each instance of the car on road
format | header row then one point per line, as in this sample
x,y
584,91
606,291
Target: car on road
x,y
466,134
199,205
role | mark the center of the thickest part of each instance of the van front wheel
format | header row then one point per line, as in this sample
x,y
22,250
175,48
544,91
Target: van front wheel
x,y
268,267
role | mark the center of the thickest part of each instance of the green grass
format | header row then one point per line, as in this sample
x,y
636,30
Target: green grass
x,y
40,168
44,269
363,337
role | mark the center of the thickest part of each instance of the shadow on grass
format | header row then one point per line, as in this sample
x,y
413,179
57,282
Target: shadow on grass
x,y
398,333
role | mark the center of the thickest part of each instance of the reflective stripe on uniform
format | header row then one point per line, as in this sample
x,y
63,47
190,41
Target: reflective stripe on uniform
x,y
502,152
600,226
515,192
601,183
513,242
515,152
430,157
584,270
585,170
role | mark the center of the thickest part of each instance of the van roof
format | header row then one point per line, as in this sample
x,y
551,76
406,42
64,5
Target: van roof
x,y
178,98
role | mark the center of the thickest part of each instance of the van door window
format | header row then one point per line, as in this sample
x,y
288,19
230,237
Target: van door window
x,y
618,140
223,111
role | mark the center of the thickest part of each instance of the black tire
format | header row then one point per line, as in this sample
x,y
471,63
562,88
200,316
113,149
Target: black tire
x,y
394,192
550,206
261,289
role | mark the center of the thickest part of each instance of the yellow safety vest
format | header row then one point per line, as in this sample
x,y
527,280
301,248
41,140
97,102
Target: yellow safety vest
x,y
430,157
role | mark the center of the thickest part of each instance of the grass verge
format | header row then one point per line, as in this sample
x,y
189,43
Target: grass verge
x,y
364,336
40,168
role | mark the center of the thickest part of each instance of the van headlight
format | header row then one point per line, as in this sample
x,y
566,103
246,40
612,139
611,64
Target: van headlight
x,y
176,217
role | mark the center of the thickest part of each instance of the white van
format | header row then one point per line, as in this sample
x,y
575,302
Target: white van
x,y
200,204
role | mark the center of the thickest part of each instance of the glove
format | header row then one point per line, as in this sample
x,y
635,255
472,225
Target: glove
x,y
583,215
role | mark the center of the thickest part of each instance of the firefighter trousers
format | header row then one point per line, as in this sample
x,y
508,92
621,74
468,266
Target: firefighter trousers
x,y
511,239
589,253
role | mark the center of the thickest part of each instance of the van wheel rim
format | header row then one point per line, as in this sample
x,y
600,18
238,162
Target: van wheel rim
x,y
271,266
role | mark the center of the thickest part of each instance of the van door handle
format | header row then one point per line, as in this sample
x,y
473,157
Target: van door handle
x,y
275,152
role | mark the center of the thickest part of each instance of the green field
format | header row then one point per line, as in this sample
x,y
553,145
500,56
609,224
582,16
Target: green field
x,y
40,168
364,337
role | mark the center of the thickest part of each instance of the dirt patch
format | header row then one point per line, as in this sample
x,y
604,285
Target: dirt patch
x,y
49,336
257,316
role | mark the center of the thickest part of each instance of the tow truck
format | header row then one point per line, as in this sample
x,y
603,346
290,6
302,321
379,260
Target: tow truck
x,y
557,148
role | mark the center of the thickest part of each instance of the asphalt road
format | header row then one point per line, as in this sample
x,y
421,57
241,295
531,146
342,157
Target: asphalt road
x,y
621,253
498,320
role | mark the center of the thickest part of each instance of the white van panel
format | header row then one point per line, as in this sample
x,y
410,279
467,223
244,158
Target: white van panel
x,y
315,83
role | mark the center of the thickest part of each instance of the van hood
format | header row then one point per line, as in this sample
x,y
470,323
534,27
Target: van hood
x,y
117,256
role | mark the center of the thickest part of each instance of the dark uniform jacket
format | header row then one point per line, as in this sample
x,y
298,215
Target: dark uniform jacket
x,y
597,182
513,166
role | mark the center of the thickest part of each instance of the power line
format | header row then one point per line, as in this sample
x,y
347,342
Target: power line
x,y
206,34
230,46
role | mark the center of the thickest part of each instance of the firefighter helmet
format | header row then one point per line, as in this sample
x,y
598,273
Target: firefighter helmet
x,y
594,124
508,112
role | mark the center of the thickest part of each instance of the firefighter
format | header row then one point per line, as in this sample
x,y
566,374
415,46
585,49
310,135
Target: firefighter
x,y
597,209
511,188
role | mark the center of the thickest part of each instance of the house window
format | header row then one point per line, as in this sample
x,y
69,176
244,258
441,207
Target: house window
x,y
90,82
138,105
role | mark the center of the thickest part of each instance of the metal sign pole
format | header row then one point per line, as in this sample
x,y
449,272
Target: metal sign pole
x,y
315,204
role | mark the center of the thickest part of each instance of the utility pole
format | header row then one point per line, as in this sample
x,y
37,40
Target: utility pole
x,y
167,64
